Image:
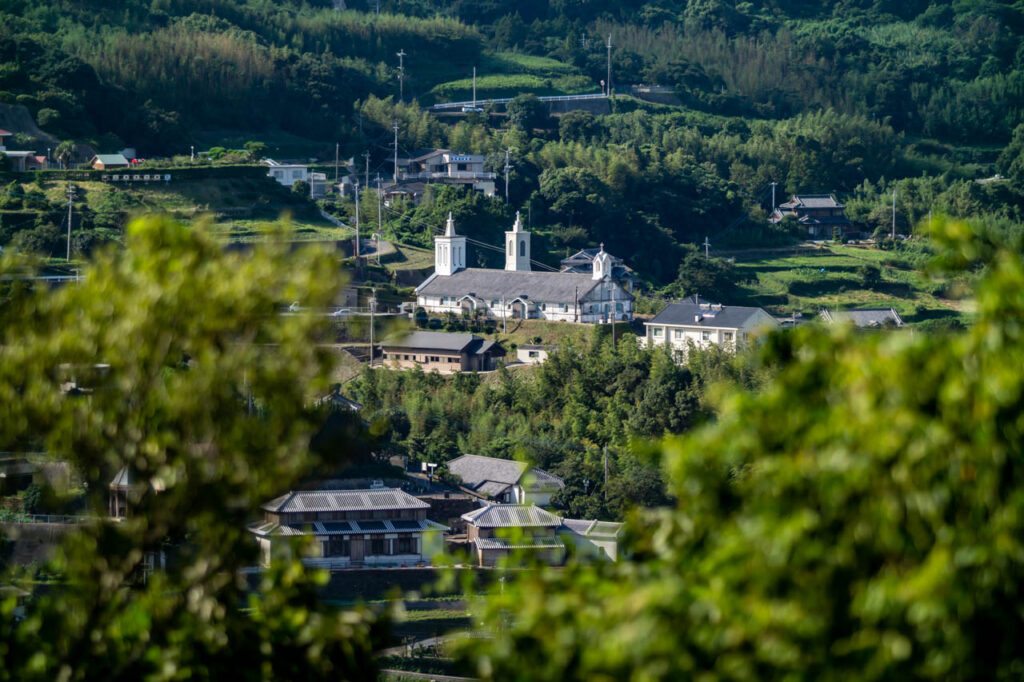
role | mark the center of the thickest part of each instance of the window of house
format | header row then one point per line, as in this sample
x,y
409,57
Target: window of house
x,y
533,354
705,336
727,337
404,545
543,306
461,167
339,545
657,331
377,546
453,360
565,307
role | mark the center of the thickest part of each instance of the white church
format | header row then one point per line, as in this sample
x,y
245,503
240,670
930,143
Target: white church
x,y
517,292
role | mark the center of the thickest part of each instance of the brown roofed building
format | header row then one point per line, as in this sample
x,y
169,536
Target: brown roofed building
x,y
443,352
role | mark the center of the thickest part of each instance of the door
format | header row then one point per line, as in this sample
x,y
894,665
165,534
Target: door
x,y
357,549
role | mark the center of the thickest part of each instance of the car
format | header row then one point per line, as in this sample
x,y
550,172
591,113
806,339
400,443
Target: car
x,y
341,312
472,110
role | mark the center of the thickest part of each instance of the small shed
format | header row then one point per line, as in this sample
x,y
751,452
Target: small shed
x,y
108,161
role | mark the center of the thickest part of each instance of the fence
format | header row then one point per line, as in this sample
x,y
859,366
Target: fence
x,y
505,100
7,517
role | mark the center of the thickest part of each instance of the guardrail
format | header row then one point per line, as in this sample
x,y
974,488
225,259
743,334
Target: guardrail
x,y
454,175
505,100
69,519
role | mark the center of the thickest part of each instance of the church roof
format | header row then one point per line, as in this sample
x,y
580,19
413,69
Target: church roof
x,y
559,287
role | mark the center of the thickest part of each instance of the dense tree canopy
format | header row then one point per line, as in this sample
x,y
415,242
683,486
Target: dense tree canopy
x,y
185,374
857,518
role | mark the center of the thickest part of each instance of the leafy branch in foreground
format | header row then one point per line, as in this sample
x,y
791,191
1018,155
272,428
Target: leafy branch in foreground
x,y
859,518
200,388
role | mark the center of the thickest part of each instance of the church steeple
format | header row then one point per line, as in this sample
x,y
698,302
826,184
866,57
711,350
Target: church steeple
x,y
449,250
602,264
517,246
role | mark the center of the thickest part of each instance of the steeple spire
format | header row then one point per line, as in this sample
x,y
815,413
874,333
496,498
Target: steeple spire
x,y
518,225
449,229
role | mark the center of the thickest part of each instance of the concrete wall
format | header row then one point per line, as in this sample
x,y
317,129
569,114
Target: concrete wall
x,y
32,542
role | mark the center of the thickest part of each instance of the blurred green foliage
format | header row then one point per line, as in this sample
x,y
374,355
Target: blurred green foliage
x,y
187,375
858,518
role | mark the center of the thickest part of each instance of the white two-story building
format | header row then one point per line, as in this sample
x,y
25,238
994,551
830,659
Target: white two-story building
x,y
696,323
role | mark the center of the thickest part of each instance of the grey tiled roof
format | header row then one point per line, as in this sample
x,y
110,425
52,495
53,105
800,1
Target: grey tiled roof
x,y
264,529
511,516
476,469
812,201
432,340
470,344
344,500
712,316
489,284
865,317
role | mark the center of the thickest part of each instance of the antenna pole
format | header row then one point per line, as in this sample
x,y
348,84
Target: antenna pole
x,y
357,217
373,306
366,177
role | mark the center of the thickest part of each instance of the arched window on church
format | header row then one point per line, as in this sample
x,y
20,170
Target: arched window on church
x,y
522,248
510,248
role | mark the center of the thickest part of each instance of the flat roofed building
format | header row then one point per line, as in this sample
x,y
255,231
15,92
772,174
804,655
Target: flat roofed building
x,y
442,352
699,324
505,480
381,526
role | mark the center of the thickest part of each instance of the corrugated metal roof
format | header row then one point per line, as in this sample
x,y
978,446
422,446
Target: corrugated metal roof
x,y
526,543
592,528
344,500
511,516
865,317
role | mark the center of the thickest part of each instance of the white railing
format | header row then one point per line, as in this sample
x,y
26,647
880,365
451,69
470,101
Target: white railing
x,y
505,100
46,518
454,175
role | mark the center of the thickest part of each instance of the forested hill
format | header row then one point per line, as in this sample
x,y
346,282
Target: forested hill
x,y
856,98
158,72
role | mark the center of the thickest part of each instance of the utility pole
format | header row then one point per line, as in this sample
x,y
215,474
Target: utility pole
x,y
474,87
401,75
504,321
894,214
71,196
357,218
373,306
707,249
609,64
336,148
366,177
380,219
604,459
507,152
773,197
395,125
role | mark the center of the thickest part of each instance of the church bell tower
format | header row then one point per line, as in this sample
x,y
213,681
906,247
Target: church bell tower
x,y
449,250
517,247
